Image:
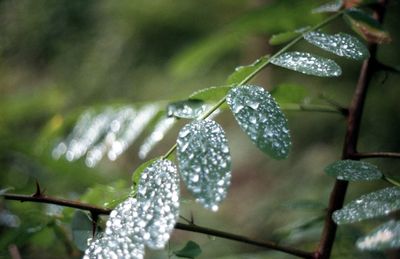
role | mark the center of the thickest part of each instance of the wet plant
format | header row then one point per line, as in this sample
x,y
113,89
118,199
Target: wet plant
x,y
148,214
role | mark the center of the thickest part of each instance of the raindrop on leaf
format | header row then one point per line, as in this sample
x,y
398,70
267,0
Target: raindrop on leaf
x,y
307,63
261,119
341,44
204,161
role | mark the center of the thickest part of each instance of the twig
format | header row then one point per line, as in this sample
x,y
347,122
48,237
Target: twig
x,y
57,201
361,155
14,252
350,145
187,227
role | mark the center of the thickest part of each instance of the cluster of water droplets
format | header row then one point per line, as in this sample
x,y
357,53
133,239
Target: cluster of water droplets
x,y
109,132
386,236
341,44
307,63
330,7
204,161
147,219
261,119
158,133
351,170
371,205
187,109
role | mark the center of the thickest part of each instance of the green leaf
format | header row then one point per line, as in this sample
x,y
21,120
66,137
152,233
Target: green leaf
x,y
351,170
283,37
243,72
307,63
330,7
147,219
341,44
191,250
261,119
211,94
138,172
289,93
82,229
366,26
158,196
386,236
204,161
187,109
371,205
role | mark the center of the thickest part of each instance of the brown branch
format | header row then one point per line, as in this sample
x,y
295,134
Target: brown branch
x,y
361,155
338,193
94,210
57,201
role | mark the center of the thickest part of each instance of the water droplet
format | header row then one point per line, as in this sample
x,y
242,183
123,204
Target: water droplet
x,y
307,63
266,126
351,170
370,205
341,44
204,159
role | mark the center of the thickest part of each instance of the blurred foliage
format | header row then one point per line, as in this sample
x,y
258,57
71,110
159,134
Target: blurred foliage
x,y
58,58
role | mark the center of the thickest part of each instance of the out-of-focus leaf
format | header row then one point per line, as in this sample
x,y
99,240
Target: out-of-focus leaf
x,y
366,26
355,3
304,205
190,250
289,93
204,161
201,56
386,236
260,117
187,109
81,227
351,170
330,7
371,205
341,44
243,72
160,129
106,195
307,63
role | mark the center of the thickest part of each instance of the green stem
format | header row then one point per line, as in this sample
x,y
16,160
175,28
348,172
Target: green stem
x,y
391,180
256,71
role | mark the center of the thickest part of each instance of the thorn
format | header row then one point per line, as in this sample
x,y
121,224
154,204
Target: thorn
x,y
191,218
38,192
95,218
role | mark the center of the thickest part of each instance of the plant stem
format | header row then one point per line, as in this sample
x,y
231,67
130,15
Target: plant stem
x,y
338,193
391,180
186,227
256,71
360,155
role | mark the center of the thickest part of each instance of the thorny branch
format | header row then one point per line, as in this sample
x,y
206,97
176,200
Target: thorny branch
x,y
338,193
354,114
94,210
